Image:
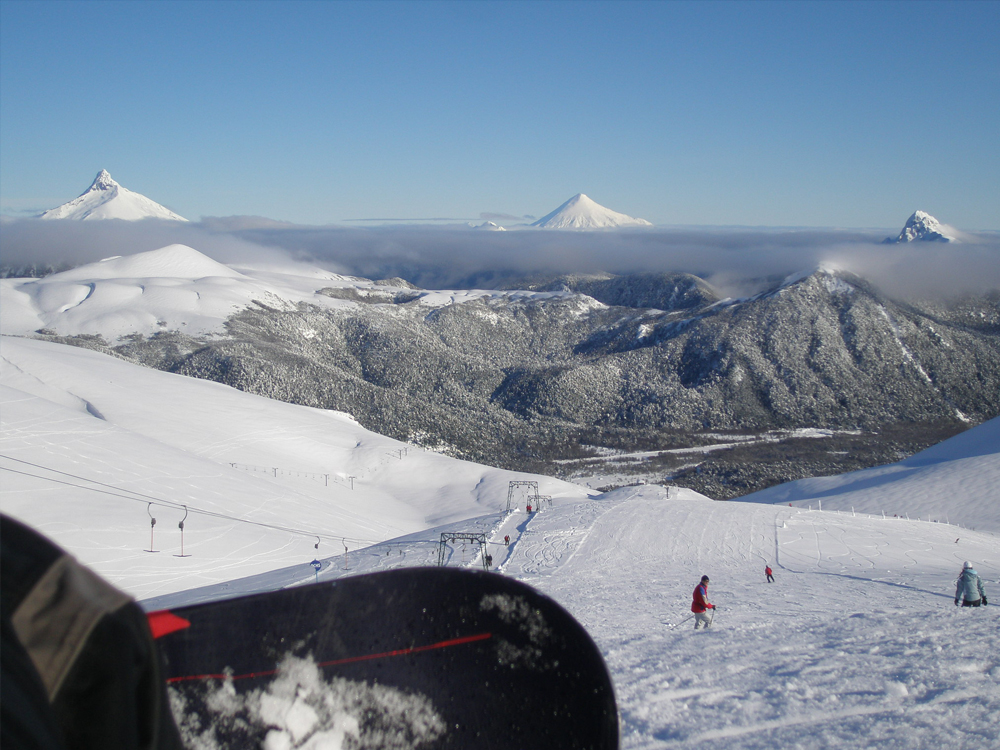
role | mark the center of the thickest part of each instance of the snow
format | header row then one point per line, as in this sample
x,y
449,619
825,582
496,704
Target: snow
x,y
106,199
88,441
953,481
580,212
856,644
490,226
177,288
301,709
921,226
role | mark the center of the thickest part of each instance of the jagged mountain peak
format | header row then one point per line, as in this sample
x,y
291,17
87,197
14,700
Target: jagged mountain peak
x,y
582,212
103,181
923,227
106,199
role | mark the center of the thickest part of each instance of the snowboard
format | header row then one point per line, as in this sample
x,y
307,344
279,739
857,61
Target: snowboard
x,y
407,658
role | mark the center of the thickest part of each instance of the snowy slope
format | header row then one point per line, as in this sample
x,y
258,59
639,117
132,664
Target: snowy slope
x,y
956,480
580,212
106,199
87,441
856,644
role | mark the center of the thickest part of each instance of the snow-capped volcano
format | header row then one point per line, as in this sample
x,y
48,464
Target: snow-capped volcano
x,y
580,212
106,199
921,226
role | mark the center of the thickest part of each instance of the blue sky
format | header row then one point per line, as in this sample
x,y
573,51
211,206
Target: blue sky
x,y
849,114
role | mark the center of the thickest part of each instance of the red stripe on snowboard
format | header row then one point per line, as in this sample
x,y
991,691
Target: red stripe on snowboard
x,y
349,660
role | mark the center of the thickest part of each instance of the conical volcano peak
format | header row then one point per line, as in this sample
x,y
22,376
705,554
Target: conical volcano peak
x,y
103,181
581,212
106,199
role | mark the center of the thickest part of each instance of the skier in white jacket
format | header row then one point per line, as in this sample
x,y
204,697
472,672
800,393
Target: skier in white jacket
x,y
969,592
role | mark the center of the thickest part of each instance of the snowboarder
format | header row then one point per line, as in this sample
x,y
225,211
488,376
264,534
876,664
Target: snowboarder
x,y
970,588
700,604
767,572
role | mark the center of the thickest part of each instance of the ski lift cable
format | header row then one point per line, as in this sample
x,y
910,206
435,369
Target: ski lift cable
x,y
152,500
167,503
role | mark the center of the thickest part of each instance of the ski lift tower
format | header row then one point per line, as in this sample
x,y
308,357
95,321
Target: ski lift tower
x,y
530,486
479,539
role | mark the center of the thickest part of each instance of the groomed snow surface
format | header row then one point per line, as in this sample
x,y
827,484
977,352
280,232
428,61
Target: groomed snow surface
x,y
857,643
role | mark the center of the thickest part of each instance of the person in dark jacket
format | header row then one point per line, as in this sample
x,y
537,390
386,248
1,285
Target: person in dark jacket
x,y
78,668
700,604
970,587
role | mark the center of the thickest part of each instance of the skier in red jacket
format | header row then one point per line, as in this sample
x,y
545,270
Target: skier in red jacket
x,y
700,604
769,574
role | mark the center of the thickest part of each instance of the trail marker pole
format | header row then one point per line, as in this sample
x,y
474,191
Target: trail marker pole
x,y
317,565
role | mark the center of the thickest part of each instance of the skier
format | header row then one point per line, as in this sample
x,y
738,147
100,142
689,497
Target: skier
x,y
970,587
79,664
767,572
700,604
506,540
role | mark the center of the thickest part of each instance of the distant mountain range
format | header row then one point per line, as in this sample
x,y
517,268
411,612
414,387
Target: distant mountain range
x,y
106,199
561,374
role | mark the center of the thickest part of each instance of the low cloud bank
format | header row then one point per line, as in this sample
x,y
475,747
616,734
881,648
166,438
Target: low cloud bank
x,y
457,257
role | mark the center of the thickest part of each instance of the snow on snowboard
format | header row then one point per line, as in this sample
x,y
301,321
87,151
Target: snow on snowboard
x,y
408,658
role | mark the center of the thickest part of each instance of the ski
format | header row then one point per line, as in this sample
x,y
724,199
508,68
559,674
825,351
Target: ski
x,y
408,658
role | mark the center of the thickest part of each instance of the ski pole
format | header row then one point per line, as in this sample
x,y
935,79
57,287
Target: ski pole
x,y
674,625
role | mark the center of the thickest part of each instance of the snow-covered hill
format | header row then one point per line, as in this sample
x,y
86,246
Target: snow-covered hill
x,y
956,481
580,212
922,227
177,288
106,199
88,441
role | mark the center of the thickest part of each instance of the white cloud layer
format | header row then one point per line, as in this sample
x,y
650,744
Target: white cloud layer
x,y
456,257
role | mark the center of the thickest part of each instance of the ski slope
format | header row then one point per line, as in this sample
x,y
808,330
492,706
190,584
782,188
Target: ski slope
x,y
856,644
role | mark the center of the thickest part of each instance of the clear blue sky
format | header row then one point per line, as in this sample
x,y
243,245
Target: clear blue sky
x,y
848,114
